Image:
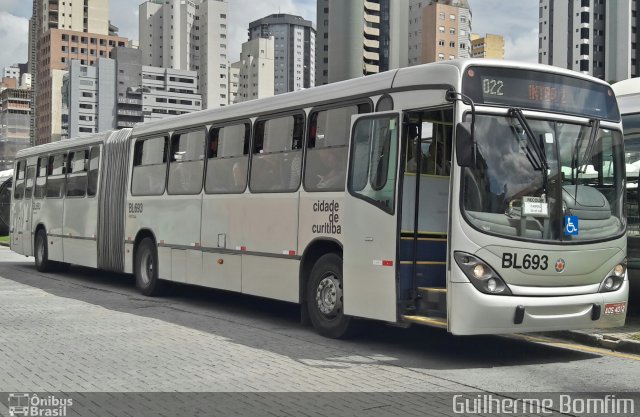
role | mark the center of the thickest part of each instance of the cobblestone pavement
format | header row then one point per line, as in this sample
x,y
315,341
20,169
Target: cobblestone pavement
x,y
88,331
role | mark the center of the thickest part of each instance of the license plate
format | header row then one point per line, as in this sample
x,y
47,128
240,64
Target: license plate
x,y
615,309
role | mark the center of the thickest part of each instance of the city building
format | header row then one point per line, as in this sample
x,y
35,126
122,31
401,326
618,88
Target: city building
x,y
15,116
234,81
590,36
294,53
360,37
59,47
256,69
169,92
118,93
88,98
488,46
11,72
59,32
188,35
128,87
439,30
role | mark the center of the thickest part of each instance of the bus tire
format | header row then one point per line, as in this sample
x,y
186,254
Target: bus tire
x,y
146,268
41,252
325,298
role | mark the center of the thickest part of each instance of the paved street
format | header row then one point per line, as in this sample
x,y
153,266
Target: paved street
x,y
87,331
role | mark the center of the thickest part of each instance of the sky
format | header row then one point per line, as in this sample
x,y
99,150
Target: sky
x,y
517,21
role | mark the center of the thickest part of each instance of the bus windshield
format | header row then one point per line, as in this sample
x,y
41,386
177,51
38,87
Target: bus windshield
x,y
508,192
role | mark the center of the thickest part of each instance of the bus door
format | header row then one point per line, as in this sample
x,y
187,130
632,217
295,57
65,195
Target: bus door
x,y
27,216
422,269
371,217
17,212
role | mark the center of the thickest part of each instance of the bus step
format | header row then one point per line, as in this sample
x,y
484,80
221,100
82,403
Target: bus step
x,y
432,301
427,321
432,290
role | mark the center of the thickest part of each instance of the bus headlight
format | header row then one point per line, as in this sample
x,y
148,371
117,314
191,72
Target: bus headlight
x,y
481,275
614,279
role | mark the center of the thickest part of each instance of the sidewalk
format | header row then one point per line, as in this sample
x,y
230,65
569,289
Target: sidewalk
x,y
622,339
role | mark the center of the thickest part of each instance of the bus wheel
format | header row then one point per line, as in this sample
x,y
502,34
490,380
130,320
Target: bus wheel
x,y
324,298
146,268
43,264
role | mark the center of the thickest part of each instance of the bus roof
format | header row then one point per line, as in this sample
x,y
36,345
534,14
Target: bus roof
x,y
63,144
447,73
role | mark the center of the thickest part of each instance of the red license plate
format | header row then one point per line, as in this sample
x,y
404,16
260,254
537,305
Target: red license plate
x,y
615,309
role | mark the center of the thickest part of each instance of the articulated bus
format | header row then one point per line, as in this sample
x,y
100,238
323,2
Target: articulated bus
x,y
628,95
479,196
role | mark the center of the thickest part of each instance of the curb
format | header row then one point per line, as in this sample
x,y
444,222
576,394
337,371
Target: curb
x,y
598,340
5,244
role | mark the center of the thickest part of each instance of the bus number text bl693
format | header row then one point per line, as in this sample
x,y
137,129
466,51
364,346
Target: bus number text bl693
x,y
135,208
535,262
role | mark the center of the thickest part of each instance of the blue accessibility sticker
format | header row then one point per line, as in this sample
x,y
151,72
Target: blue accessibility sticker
x,y
571,225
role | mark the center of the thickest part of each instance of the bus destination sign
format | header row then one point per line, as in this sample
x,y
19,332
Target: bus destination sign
x,y
540,91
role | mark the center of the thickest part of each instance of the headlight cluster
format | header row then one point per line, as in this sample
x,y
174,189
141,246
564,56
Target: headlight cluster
x,y
615,278
481,275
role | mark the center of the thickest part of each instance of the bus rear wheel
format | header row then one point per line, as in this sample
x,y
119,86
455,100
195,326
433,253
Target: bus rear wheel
x,y
325,298
146,268
41,253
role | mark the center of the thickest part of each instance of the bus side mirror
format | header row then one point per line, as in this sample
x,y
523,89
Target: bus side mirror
x,y
465,145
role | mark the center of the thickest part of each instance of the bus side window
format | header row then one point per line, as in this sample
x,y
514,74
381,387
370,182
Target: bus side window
x,y
277,155
56,176
327,147
149,166
28,184
228,159
373,161
18,189
186,163
94,166
41,178
77,173
434,153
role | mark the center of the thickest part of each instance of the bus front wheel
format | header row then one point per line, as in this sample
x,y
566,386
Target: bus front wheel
x,y
325,298
43,264
146,268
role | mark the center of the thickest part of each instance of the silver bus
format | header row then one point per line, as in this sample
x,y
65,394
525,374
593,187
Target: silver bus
x,y
479,196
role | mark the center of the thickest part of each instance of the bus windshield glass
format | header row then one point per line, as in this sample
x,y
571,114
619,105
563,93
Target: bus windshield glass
x,y
577,197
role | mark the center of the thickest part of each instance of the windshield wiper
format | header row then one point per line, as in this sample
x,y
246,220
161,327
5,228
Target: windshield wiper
x,y
586,157
534,152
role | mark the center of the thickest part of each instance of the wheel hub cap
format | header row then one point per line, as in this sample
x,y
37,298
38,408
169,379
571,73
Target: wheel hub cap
x,y
329,295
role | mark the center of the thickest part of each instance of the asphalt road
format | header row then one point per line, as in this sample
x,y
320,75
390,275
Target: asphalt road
x,y
89,331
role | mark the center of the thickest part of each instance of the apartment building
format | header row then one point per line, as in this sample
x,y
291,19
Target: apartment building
x,y
15,116
188,35
294,50
595,37
360,37
58,48
256,69
487,46
439,30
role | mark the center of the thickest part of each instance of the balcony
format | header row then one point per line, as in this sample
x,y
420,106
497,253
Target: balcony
x,y
370,43
371,18
123,100
371,31
371,6
371,56
123,124
134,113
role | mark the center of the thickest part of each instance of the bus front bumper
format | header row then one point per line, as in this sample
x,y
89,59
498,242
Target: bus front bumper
x,y
473,312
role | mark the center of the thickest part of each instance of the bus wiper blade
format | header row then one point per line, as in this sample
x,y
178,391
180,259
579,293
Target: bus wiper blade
x,y
537,154
586,157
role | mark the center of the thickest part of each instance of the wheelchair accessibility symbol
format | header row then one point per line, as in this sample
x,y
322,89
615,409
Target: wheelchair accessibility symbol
x,y
571,225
